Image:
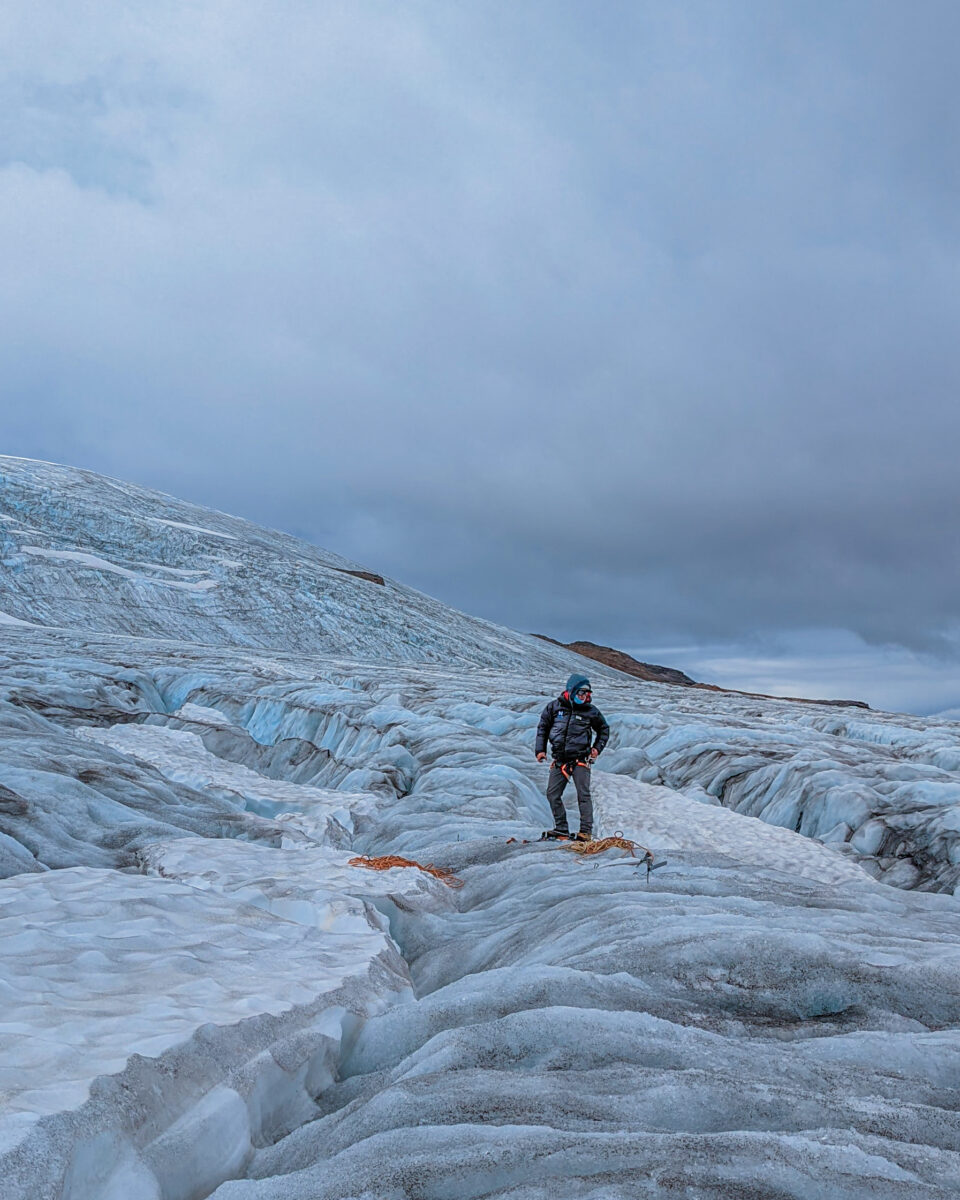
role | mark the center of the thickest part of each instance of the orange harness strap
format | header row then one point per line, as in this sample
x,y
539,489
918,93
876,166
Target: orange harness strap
x,y
566,770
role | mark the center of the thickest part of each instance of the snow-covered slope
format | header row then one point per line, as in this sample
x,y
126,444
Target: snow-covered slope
x,y
202,996
85,552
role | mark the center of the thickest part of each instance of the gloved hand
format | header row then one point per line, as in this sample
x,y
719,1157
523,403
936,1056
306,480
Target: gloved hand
x,y
541,756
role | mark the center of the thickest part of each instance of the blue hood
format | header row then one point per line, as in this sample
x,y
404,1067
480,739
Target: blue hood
x,y
574,682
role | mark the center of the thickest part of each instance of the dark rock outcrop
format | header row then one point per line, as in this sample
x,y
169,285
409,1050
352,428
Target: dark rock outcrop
x,y
655,674
625,662
371,576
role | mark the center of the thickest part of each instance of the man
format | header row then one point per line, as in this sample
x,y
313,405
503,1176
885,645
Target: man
x,y
569,723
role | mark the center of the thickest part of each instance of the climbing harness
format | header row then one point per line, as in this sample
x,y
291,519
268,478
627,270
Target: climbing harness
x,y
566,769
384,862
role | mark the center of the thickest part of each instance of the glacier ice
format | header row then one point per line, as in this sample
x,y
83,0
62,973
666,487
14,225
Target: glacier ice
x,y
204,997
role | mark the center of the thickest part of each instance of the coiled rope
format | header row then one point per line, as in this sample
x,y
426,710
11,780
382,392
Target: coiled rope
x,y
384,862
618,842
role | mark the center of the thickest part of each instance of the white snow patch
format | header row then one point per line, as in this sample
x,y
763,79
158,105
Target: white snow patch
x,y
181,757
195,528
105,965
204,714
310,885
7,619
662,819
102,564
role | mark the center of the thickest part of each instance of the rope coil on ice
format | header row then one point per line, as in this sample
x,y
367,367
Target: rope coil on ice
x,y
618,841
384,862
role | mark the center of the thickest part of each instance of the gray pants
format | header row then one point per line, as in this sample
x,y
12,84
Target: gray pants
x,y
558,781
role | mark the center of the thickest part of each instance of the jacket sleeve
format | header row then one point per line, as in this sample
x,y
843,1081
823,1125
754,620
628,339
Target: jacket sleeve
x,y
546,720
602,730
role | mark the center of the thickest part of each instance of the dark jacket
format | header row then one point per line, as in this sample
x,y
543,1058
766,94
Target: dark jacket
x,y
570,729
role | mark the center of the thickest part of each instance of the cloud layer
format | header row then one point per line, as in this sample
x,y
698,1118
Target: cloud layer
x,y
633,322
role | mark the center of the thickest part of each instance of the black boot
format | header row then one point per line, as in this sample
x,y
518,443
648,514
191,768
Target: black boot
x,y
554,834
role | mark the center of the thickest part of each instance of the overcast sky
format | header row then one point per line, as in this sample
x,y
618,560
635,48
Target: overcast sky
x,y
634,322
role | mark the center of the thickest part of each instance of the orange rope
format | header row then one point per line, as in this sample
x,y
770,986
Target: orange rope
x,y
384,862
608,843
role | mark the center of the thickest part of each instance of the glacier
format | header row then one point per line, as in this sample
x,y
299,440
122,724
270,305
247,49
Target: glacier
x,y
205,724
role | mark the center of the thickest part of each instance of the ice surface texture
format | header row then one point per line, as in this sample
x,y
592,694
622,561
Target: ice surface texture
x,y
99,555
201,997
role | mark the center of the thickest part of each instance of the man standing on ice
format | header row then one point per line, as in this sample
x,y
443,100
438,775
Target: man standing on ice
x,y
569,723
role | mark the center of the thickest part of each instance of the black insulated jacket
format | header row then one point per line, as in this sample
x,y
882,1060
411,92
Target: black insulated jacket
x,y
570,729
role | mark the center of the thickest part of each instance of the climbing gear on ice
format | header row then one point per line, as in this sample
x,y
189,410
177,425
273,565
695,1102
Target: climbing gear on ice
x,y
647,858
384,862
560,835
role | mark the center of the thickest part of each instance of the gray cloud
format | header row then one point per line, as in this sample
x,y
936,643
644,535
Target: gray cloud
x,y
633,321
